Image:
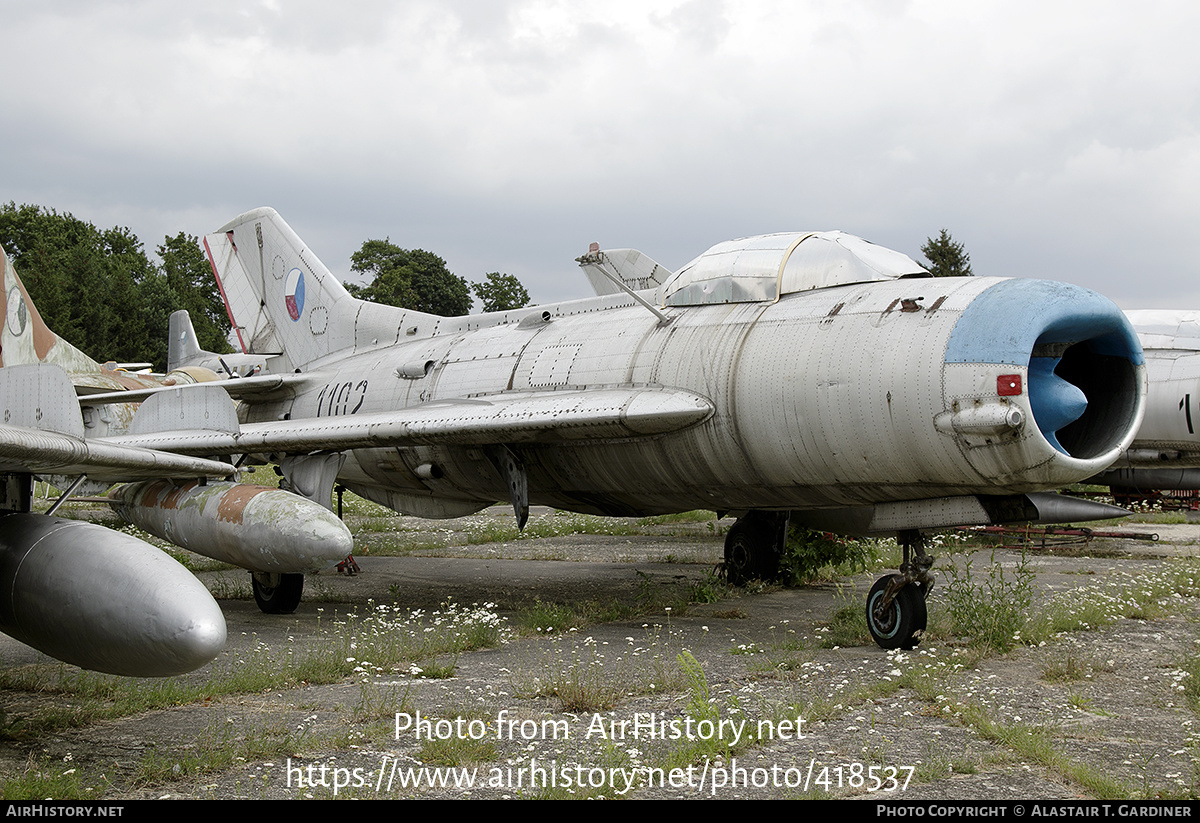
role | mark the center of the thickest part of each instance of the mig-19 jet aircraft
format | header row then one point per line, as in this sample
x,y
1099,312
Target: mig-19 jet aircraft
x,y
806,377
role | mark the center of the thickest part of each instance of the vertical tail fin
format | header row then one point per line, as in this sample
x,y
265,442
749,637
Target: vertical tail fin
x,y
183,349
24,336
281,299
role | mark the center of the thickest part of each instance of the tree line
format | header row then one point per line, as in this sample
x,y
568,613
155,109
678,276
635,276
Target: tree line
x,y
99,291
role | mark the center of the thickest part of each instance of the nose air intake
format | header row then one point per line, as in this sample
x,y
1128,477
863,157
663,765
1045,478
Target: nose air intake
x,y
1084,360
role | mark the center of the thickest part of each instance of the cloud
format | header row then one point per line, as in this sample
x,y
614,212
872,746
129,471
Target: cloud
x,y
515,132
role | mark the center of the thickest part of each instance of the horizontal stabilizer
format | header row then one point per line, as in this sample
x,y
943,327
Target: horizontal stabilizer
x,y
42,433
39,396
236,388
206,407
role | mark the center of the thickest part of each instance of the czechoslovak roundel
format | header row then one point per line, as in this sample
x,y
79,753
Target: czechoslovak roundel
x,y
293,293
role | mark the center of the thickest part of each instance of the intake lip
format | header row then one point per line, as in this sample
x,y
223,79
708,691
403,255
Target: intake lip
x,y
1084,363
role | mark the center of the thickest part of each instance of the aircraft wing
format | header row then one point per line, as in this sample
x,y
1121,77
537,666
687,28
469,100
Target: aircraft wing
x,y
518,417
41,452
42,433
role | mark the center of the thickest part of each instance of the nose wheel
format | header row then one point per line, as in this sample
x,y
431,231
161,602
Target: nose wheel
x,y
896,613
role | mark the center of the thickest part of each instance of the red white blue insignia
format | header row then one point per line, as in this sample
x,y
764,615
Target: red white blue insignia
x,y
293,293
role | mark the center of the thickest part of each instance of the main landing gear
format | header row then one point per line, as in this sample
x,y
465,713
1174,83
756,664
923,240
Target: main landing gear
x,y
896,615
753,546
277,593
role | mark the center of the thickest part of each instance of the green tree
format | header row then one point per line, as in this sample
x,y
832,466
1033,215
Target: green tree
x,y
411,278
100,292
189,276
946,258
84,281
500,292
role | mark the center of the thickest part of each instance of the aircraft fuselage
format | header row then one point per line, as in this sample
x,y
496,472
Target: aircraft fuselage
x,y
860,394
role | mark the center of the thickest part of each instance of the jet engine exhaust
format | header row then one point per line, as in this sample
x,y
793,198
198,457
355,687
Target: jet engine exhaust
x,y
103,600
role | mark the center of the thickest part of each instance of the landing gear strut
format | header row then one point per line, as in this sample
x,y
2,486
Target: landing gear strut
x,y
753,546
277,593
896,615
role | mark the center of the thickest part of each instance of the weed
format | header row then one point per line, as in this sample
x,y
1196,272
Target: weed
x,y
45,780
847,627
457,750
699,704
592,676
933,765
379,701
808,552
220,747
433,670
1066,669
1036,743
711,589
548,618
1084,704
696,516
991,611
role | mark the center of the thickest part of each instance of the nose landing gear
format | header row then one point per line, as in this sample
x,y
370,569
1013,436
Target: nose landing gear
x,y
896,614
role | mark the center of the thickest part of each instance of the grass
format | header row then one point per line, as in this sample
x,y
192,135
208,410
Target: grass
x,y
1071,668
384,640
222,746
847,626
1118,596
484,530
44,778
1037,743
592,676
458,749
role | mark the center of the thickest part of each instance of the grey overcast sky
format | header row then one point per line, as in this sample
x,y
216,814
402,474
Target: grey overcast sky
x,y
1053,139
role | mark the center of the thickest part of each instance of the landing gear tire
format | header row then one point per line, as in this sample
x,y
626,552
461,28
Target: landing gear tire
x,y
753,546
900,625
739,556
277,593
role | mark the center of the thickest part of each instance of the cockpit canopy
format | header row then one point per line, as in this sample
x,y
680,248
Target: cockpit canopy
x,y
772,265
